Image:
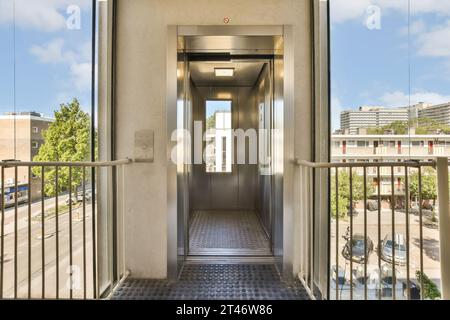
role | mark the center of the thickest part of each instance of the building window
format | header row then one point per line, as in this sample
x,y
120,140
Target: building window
x,y
362,143
35,130
218,136
35,145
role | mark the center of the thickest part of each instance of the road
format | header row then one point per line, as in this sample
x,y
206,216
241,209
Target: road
x,y
50,239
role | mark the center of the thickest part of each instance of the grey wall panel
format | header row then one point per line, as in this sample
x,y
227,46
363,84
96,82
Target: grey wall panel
x,y
224,191
236,190
200,189
263,104
247,186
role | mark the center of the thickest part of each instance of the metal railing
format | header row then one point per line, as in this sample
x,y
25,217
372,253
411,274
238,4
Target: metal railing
x,y
346,241
48,245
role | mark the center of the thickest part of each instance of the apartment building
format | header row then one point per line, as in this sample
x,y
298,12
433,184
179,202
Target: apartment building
x,y
439,112
21,136
368,117
388,148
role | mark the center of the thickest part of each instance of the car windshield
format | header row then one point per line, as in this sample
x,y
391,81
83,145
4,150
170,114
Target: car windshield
x,y
399,247
358,244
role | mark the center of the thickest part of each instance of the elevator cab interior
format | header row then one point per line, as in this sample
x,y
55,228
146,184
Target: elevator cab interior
x,y
229,189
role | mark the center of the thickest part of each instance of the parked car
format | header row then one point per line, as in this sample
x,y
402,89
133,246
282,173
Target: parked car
x,y
338,275
414,290
75,199
354,249
87,195
372,205
399,244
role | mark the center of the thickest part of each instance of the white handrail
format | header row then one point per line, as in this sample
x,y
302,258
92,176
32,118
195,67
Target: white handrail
x,y
65,164
328,165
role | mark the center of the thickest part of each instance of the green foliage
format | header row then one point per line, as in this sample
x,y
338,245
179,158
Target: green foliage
x,y
66,140
430,289
344,191
425,126
398,127
421,125
342,205
429,184
211,122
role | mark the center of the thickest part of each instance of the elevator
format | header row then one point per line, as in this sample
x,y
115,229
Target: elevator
x,y
229,119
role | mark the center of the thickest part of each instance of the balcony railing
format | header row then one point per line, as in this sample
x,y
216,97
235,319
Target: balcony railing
x,y
409,253
50,247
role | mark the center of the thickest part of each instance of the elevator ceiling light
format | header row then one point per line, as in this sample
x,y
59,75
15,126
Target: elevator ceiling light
x,y
224,72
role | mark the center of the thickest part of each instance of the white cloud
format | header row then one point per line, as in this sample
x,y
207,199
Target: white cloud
x,y
416,27
52,52
441,7
435,43
78,61
336,106
42,15
81,75
401,99
346,10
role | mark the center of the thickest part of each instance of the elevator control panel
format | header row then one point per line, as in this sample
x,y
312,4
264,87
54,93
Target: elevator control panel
x,y
144,149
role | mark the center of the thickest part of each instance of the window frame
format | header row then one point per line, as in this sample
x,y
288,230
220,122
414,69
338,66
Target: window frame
x,y
231,101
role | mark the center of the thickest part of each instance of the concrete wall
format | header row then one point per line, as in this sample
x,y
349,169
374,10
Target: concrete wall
x,y
141,101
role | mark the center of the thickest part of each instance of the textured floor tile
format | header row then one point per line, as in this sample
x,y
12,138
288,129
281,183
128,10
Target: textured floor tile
x,y
216,282
240,230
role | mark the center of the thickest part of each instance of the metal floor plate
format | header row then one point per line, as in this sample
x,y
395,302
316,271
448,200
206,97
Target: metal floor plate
x,y
216,282
227,233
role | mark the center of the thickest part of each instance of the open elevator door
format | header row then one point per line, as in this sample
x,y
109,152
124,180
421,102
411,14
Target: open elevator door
x,y
260,55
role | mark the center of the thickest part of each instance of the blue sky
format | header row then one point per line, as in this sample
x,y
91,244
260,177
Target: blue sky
x,y
371,66
216,105
52,61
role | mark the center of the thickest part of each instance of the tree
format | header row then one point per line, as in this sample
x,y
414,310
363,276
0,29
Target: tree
x,y
398,127
211,122
430,290
421,126
426,125
429,184
344,191
66,140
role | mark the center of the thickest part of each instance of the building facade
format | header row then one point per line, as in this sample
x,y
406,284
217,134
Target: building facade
x,y
439,113
371,117
21,136
388,148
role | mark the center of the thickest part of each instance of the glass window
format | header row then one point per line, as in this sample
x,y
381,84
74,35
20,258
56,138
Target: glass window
x,y
46,70
218,136
389,78
362,143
